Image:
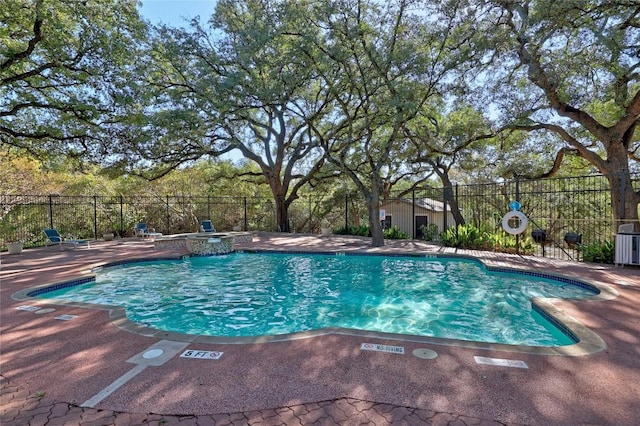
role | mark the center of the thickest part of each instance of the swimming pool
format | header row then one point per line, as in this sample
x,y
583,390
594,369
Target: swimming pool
x,y
257,294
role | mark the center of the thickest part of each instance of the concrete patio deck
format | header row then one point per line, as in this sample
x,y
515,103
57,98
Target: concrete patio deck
x,y
51,368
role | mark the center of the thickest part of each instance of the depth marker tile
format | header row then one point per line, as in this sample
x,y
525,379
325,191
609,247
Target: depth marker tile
x,y
201,354
382,348
514,363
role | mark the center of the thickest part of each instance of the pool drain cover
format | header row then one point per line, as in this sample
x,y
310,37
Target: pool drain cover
x,y
425,353
152,353
44,311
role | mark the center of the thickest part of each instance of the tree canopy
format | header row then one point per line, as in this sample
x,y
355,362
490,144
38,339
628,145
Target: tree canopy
x,y
62,69
382,93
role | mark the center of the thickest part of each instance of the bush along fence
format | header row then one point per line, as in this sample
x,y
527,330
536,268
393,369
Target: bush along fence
x,y
567,218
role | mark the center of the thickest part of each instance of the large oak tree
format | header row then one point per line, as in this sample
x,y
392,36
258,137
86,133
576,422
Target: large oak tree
x,y
238,84
392,58
572,68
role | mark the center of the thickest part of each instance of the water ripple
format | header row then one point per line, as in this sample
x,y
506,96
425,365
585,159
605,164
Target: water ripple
x,y
245,294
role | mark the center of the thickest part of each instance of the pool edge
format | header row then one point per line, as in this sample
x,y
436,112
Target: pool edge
x,y
588,341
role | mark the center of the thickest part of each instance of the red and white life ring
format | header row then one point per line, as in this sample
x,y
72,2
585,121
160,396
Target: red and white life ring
x,y
512,215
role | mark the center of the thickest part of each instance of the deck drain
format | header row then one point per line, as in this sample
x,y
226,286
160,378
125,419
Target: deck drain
x,y
425,353
28,308
152,353
44,311
66,317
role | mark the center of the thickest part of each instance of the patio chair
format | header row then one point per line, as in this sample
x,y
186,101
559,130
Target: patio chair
x,y
207,226
141,230
55,238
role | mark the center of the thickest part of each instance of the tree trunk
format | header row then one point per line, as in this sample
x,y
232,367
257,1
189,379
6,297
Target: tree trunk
x,y
452,202
282,214
624,200
373,204
279,192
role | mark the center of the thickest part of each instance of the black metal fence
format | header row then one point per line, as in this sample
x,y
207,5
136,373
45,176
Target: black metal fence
x,y
579,205
559,209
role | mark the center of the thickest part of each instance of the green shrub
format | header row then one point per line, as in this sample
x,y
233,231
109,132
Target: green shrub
x,y
598,252
394,233
464,236
340,231
361,230
507,243
429,233
470,237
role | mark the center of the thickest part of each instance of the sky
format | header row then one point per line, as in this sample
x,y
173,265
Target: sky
x,y
176,12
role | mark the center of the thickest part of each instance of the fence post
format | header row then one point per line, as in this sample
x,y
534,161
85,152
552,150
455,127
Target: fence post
x,y
121,216
444,208
517,199
246,223
50,211
413,214
168,219
310,214
346,212
95,217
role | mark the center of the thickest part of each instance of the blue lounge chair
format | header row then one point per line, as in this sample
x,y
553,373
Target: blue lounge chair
x,y
207,226
55,238
141,230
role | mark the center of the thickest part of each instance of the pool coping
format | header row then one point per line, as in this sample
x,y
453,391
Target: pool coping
x,y
588,342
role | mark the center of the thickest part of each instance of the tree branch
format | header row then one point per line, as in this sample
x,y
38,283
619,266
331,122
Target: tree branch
x,y
37,37
581,149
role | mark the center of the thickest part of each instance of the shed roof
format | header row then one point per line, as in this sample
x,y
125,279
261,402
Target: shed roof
x,y
426,203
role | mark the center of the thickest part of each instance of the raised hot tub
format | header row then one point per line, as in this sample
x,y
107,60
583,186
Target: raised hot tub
x,y
203,243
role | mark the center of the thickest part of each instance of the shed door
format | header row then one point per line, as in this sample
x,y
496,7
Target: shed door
x,y
420,220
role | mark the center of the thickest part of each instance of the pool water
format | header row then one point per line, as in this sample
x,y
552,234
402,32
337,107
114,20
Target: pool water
x,y
257,294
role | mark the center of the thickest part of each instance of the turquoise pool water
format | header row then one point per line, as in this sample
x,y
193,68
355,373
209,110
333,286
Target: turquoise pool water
x,y
256,294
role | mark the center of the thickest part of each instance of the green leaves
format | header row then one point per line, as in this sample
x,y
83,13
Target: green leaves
x,y
385,92
60,64
577,77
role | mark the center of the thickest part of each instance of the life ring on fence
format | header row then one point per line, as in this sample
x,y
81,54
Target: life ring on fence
x,y
512,215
